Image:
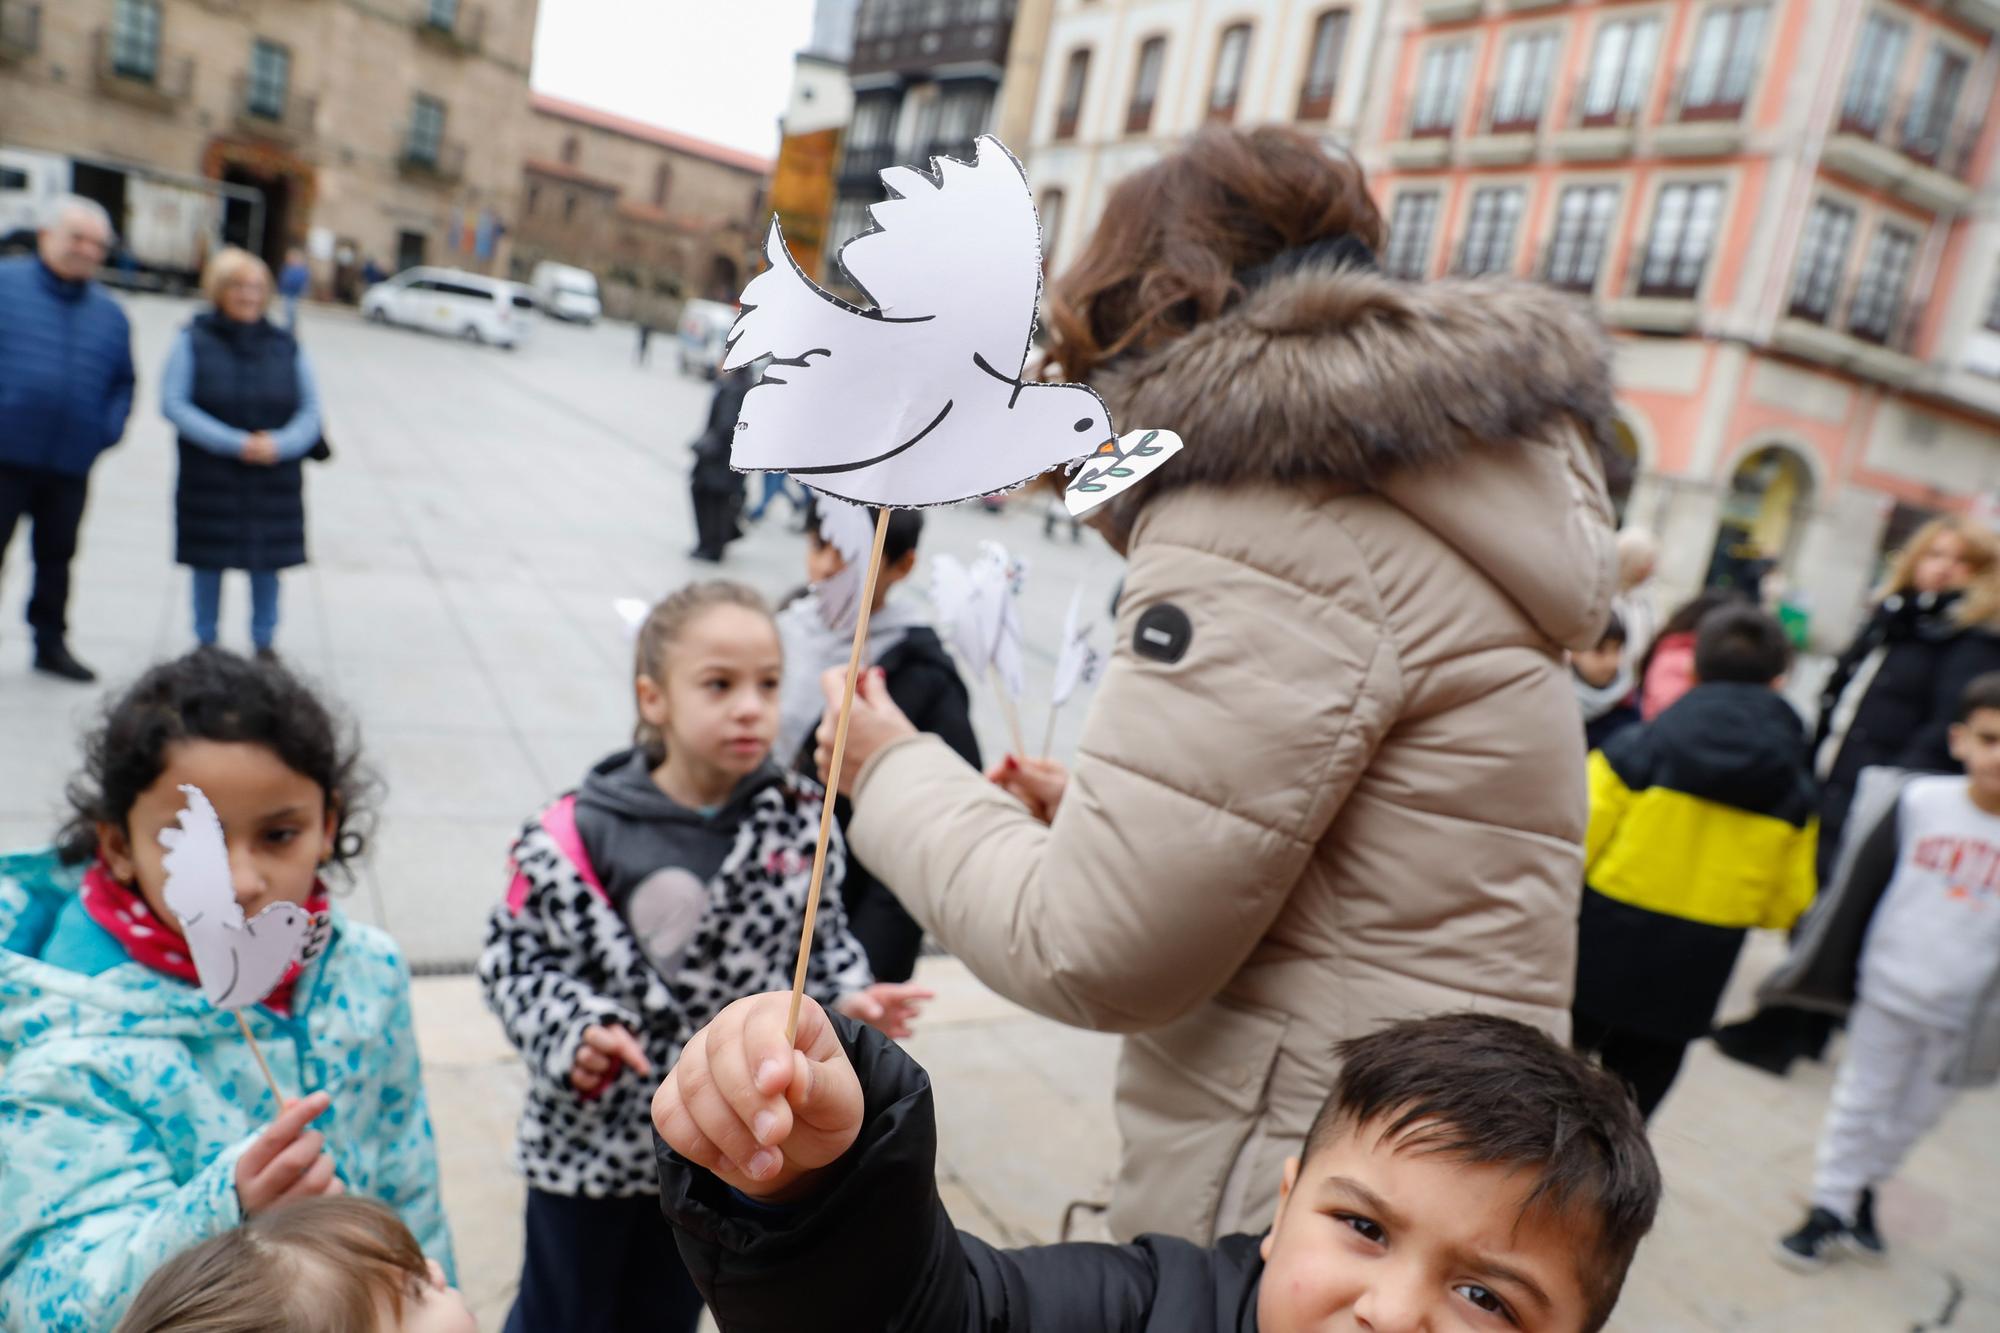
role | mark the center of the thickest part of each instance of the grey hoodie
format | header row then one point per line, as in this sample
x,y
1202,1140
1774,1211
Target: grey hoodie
x,y
634,832
811,648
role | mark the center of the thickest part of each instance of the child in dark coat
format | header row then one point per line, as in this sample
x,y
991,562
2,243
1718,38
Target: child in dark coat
x,y
1466,1171
1702,827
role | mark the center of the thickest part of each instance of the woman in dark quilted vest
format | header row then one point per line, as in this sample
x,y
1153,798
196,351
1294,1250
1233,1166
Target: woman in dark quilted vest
x,y
239,392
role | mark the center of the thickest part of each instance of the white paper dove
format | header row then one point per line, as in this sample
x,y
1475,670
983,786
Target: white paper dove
x,y
998,578
1116,466
849,530
238,961
631,613
919,401
980,616
1079,661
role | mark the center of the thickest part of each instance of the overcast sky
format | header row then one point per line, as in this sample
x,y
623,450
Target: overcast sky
x,y
717,69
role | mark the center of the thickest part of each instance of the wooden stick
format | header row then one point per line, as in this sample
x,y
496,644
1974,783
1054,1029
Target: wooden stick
x,y
833,769
1008,708
1049,736
244,1023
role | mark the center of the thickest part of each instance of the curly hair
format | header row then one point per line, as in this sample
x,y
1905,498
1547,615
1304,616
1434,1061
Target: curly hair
x,y
214,695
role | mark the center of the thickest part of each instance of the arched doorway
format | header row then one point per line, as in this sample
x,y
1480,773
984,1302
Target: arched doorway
x,y
1763,516
723,284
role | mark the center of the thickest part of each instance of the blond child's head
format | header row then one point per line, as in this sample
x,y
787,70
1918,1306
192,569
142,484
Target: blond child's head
x,y
1467,1172
327,1265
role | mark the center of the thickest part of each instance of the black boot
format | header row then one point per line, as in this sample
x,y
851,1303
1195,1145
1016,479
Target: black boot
x,y
53,658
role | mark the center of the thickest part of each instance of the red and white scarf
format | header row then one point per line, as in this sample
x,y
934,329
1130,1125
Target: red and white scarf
x,y
156,944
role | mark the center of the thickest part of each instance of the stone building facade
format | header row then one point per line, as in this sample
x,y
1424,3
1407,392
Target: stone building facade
x,y
390,130
658,216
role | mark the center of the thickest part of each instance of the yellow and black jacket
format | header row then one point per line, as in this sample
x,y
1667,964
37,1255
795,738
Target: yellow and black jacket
x,y
1702,827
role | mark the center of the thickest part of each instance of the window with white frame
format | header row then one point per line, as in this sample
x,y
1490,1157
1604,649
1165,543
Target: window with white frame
x,y
1822,259
1584,216
1621,69
426,139
1523,85
270,79
1146,85
1076,78
1934,103
1864,101
1885,273
874,123
1727,44
1231,56
1440,88
1490,225
1329,41
1411,223
1685,216
135,39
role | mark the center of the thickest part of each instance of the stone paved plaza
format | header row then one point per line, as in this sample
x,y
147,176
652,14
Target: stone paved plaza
x,y
483,511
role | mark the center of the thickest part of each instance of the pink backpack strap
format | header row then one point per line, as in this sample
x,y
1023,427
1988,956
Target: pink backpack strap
x,y
559,822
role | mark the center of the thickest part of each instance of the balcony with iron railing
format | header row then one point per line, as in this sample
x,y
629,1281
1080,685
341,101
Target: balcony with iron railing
x,y
1878,340
285,116
1600,131
1574,276
1909,148
863,165
459,28
438,163
1505,137
1659,293
911,38
1705,122
147,76
20,29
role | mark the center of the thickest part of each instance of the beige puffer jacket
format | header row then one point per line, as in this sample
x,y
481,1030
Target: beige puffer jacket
x,y
1358,794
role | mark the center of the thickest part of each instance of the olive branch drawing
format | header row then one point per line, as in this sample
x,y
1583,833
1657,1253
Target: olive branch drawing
x,y
1113,466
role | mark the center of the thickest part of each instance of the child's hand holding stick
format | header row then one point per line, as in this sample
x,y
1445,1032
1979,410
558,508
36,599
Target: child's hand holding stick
x,y
763,1109
287,1161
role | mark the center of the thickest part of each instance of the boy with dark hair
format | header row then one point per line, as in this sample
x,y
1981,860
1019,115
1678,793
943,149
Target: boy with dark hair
x,y
921,678
1604,688
1702,827
1466,1171
1907,944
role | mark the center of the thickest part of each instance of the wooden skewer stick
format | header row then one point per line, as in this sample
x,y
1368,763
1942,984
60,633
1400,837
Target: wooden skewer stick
x,y
1008,707
833,769
244,1023
1049,736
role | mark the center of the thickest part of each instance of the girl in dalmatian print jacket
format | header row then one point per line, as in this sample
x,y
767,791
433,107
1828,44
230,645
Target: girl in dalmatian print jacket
x,y
670,883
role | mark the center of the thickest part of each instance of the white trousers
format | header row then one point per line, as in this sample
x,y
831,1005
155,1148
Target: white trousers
x,y
1889,1091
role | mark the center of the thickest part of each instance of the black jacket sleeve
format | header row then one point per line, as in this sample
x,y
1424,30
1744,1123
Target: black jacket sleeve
x,y
934,698
875,1249
1971,654
1825,972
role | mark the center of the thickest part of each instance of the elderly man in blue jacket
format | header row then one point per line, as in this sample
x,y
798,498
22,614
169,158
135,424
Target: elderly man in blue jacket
x,y
65,391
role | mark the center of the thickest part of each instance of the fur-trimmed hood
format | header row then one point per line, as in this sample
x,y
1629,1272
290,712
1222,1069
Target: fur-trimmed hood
x,y
1343,379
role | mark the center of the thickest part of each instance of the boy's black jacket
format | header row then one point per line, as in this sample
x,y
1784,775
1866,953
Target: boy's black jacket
x,y
875,1249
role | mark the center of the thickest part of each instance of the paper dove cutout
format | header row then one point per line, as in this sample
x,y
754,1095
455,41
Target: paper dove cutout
x,y
632,615
1116,466
977,610
919,401
1079,661
239,962
848,529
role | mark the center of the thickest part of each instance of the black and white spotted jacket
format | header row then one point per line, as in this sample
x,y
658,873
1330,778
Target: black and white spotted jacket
x,y
560,957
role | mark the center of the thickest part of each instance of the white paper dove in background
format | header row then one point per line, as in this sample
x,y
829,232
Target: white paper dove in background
x,y
849,530
1079,661
999,577
238,961
632,615
1117,465
978,611
919,401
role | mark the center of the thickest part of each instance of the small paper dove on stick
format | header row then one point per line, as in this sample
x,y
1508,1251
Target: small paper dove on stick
x,y
1077,663
982,621
239,962
920,401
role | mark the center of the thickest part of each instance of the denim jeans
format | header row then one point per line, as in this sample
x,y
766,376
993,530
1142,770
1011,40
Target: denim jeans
x,y
263,605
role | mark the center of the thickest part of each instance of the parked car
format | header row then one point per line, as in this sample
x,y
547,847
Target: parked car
x,y
567,292
704,336
451,301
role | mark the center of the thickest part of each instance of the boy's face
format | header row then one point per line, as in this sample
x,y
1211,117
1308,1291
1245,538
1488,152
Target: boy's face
x,y
1975,743
1395,1241
1598,667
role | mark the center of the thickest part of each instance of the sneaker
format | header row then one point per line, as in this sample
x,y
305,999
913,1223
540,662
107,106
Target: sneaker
x,y
1862,1237
1808,1249
54,659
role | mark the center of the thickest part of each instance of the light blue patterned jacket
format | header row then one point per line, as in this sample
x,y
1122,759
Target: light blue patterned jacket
x,y
126,1098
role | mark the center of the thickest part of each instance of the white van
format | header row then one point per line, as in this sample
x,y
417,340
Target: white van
x,y
447,300
704,336
567,292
